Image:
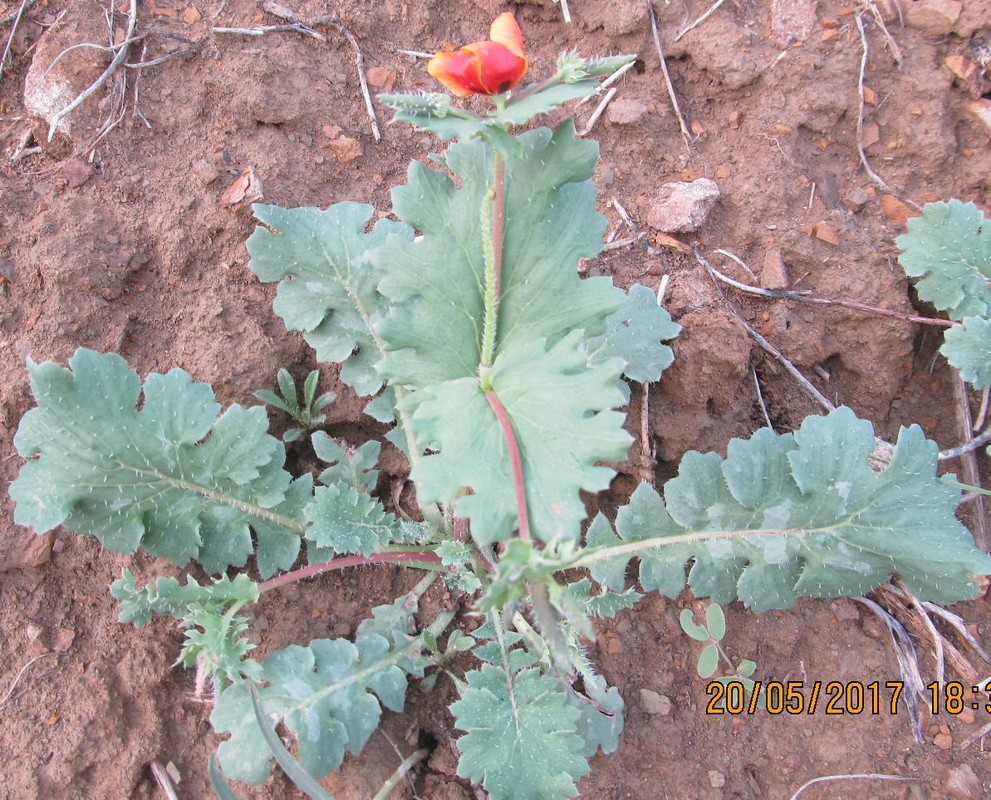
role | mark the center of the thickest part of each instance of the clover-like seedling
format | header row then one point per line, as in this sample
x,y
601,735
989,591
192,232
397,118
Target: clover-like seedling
x,y
712,632
306,415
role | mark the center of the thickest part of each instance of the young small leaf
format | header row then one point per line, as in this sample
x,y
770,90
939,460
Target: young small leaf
x,y
708,661
950,244
272,399
746,667
635,333
687,621
715,621
288,387
310,389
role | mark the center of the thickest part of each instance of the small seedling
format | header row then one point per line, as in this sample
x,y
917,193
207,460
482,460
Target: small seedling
x,y
304,414
712,632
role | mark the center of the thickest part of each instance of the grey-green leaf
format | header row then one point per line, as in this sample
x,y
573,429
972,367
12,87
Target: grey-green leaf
x,y
175,477
950,245
803,514
968,348
636,333
327,285
521,740
708,661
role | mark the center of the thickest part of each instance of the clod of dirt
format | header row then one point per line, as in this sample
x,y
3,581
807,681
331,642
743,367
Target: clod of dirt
x,y
245,190
76,172
936,17
682,207
792,21
346,150
963,784
626,111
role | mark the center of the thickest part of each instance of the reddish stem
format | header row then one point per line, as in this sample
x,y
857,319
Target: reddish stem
x,y
347,561
515,461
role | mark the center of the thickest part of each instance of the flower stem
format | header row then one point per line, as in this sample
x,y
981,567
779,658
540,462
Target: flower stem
x,y
492,227
516,462
426,560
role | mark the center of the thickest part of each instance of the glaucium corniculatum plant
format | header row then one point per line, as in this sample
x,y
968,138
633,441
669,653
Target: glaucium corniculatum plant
x,y
504,378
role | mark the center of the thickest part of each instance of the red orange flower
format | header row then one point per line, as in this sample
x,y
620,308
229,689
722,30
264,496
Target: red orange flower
x,y
491,67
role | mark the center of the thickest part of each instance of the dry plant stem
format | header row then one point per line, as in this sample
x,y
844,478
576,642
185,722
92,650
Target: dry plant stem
x,y
819,301
163,779
606,83
646,443
565,11
977,735
118,59
760,399
701,19
606,100
424,559
792,370
401,771
896,52
13,30
10,692
860,113
982,414
860,776
973,444
971,473
261,30
685,133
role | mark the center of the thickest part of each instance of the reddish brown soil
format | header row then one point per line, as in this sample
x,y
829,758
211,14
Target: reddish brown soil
x,y
141,257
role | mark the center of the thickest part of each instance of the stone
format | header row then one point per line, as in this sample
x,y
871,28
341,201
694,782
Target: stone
x,y
682,207
935,17
654,703
716,779
963,784
626,111
51,85
774,273
981,109
205,172
856,199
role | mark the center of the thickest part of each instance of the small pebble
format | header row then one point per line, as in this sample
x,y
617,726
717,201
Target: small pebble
x,y
654,703
716,779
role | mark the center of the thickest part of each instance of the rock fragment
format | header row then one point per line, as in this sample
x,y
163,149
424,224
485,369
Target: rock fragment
x,y
682,207
626,111
654,703
963,784
935,17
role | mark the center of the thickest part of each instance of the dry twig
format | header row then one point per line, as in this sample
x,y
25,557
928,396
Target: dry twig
x,y
701,19
971,473
863,104
98,83
819,301
10,692
604,85
607,98
16,16
792,370
685,133
859,776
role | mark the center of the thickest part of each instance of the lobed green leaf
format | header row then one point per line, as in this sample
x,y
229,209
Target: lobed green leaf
x,y
792,515
327,284
175,477
968,348
949,246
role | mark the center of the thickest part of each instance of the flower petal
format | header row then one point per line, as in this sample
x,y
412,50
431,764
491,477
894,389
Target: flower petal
x,y
500,68
459,71
506,31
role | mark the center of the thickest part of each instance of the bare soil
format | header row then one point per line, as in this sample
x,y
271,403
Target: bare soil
x,y
128,246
